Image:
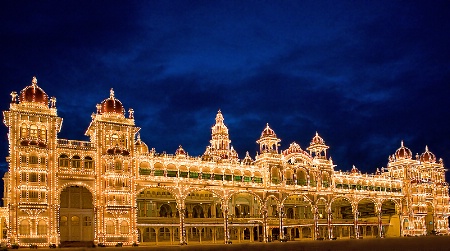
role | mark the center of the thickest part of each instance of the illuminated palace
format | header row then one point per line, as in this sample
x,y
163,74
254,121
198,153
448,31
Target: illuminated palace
x,y
114,189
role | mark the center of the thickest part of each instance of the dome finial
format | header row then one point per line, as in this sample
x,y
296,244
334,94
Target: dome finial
x,y
426,148
34,81
111,93
401,144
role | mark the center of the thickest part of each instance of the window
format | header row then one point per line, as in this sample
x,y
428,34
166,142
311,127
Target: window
x,y
33,132
118,165
124,227
110,227
87,221
63,221
24,227
88,163
43,177
23,131
43,160
33,194
75,221
43,134
34,159
63,161
76,161
33,177
42,228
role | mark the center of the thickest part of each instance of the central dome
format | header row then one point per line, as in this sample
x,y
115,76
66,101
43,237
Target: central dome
x,y
112,105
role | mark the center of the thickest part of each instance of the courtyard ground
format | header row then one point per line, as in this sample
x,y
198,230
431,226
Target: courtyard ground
x,y
425,243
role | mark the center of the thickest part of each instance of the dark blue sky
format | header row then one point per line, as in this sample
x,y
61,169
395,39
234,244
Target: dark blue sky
x,y
364,74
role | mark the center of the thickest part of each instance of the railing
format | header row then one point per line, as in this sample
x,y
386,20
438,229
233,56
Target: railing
x,y
74,143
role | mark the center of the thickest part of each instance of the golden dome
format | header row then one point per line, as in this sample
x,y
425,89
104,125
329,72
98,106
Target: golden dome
x,y
112,105
34,94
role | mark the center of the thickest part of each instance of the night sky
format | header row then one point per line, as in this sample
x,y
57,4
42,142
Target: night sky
x,y
363,74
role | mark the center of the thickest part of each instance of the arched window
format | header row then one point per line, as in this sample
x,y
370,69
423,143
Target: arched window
x,y
76,161
42,228
75,221
124,227
24,227
63,160
88,162
165,211
43,134
110,227
63,221
23,131
33,132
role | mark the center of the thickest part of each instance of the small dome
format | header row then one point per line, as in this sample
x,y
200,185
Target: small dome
x,y
33,93
317,140
427,156
140,146
293,148
180,151
403,152
247,160
354,169
112,105
233,153
268,132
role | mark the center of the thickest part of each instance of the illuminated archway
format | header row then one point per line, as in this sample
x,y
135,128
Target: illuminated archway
x,y
76,222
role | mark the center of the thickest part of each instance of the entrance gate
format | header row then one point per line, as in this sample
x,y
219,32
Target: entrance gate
x,y
76,221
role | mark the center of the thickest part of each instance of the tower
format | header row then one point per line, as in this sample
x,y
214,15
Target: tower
x,y
112,135
220,148
33,126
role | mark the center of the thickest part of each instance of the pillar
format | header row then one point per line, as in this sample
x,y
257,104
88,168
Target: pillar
x,y
356,224
225,224
264,214
380,224
329,224
280,216
316,223
182,232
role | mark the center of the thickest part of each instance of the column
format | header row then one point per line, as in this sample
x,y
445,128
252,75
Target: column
x,y
316,223
225,224
380,224
182,231
356,224
264,214
280,216
329,225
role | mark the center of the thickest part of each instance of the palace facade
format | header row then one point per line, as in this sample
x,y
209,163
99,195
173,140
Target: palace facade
x,y
114,189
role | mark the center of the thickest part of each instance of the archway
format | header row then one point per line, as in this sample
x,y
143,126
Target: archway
x,y
342,217
76,222
367,218
390,219
203,208
429,220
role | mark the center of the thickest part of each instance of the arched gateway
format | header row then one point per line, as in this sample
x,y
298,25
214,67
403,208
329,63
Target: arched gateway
x,y
76,221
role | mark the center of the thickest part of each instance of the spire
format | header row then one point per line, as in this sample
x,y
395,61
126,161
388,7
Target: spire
x,y
111,93
34,81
